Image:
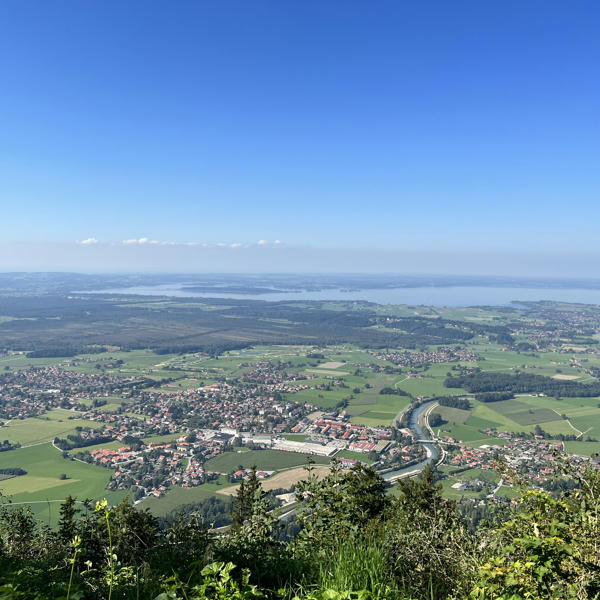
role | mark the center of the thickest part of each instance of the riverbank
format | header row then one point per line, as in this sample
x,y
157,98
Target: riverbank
x,y
418,422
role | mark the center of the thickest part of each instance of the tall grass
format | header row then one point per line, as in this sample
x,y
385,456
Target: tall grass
x,y
358,563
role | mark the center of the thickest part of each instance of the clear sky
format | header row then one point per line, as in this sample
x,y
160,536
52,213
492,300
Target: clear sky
x,y
383,136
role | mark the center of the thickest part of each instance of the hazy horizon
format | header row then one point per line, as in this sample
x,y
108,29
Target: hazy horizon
x,y
283,258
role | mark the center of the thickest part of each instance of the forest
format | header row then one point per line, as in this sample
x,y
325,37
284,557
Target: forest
x,y
66,325
481,382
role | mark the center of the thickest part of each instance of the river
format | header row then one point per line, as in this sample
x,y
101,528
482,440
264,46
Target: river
x,y
422,434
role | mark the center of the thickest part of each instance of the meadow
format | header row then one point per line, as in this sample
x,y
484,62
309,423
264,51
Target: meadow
x,y
34,430
42,486
265,460
568,416
177,496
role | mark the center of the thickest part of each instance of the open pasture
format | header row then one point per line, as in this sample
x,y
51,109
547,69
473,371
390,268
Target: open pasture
x,y
453,415
115,445
540,363
523,413
266,460
582,448
429,382
20,360
354,456
468,475
381,412
318,371
44,465
161,439
464,433
55,423
332,364
369,407
322,398
177,496
506,415
588,425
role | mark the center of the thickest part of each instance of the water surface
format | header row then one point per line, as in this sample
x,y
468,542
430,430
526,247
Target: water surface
x,y
429,296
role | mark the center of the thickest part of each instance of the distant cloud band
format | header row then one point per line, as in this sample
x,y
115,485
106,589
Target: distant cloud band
x,y
145,241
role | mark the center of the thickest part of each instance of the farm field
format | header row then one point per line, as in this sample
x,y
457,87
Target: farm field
x,y
177,496
284,480
266,460
161,439
54,423
452,415
522,415
583,448
42,484
372,408
381,412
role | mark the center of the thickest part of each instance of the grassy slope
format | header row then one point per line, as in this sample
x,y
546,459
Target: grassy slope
x,y
44,465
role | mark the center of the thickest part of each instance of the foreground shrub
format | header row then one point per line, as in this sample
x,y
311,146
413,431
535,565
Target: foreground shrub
x,y
550,549
217,583
429,547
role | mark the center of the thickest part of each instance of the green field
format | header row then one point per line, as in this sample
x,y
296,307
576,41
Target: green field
x,y
42,484
177,496
583,448
108,445
523,413
382,412
55,423
509,492
453,415
454,475
161,439
267,460
354,456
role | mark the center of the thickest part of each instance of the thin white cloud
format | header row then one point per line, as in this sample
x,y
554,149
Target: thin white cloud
x,y
140,241
88,241
145,241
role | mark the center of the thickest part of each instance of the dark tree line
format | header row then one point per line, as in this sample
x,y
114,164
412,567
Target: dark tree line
x,y
482,382
453,402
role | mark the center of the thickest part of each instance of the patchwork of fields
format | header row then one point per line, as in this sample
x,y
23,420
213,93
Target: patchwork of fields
x,y
568,416
346,377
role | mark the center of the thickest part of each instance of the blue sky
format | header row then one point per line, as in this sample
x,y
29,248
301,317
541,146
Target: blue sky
x,y
402,130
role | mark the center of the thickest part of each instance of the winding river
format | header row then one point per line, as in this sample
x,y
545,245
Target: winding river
x,y
414,423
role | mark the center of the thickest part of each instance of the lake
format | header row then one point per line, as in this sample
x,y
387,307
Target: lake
x,y
432,296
